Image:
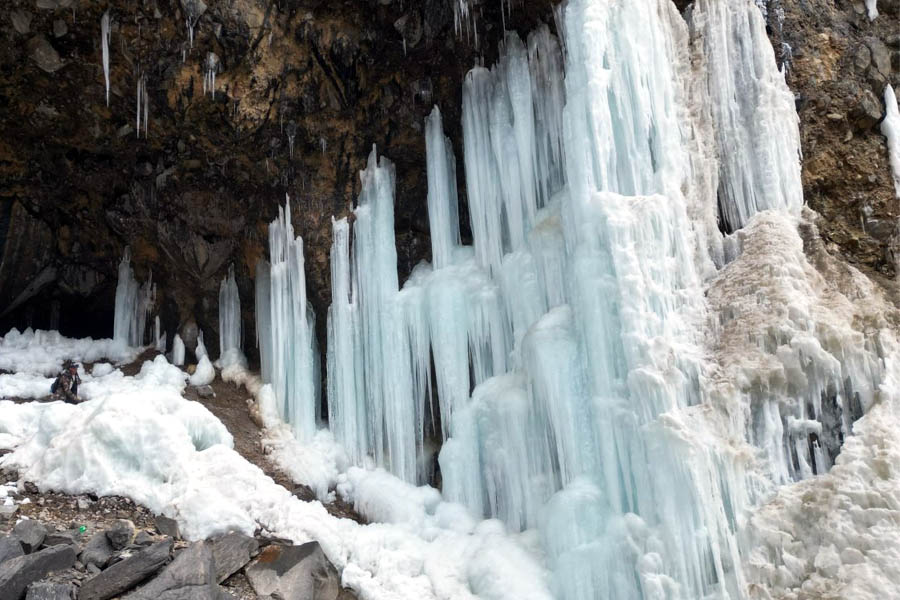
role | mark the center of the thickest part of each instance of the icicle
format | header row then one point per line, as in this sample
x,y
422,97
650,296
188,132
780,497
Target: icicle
x,y
143,105
872,9
323,143
442,202
209,79
192,11
104,44
230,340
291,135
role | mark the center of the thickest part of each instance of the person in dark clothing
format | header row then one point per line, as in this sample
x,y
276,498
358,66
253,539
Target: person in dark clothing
x,y
65,387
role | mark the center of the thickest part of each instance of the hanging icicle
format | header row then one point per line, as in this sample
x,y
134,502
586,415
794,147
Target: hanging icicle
x,y
143,105
104,45
209,79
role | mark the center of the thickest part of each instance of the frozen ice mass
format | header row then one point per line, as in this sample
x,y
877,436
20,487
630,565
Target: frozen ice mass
x,y
643,378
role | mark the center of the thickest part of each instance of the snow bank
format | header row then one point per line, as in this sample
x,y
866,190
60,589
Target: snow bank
x,y
43,352
137,437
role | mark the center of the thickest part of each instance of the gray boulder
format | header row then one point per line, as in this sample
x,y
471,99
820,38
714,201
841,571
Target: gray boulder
x,y
295,572
10,548
68,536
191,576
21,20
45,590
126,573
30,534
121,534
18,573
231,552
167,526
98,551
44,54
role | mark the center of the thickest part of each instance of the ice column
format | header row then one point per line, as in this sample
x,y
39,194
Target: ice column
x,y
346,409
133,304
442,206
287,336
230,340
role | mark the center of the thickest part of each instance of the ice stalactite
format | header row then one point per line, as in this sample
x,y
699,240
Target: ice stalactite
x,y
230,340
133,305
158,336
104,46
211,66
143,105
286,328
442,210
890,128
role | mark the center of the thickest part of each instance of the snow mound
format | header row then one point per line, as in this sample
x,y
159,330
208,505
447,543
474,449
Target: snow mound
x,y
205,372
137,437
43,352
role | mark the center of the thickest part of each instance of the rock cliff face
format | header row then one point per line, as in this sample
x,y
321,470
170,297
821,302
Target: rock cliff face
x,y
303,88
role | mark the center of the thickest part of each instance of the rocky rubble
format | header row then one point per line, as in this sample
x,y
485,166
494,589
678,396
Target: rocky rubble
x,y
41,563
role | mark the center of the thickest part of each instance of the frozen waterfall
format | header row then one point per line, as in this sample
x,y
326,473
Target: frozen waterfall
x,y
133,305
634,350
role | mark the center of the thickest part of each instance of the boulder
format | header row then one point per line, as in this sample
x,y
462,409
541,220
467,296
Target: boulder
x,y
98,551
10,548
46,590
44,54
295,572
21,20
167,526
68,536
127,573
18,573
191,576
30,534
120,534
143,538
232,551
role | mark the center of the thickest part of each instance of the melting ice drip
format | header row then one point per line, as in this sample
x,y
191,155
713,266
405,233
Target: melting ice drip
x,y
578,316
104,47
285,325
143,105
229,318
133,305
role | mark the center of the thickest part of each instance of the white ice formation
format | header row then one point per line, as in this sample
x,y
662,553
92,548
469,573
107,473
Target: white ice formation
x,y
890,128
230,339
133,305
143,106
603,365
285,326
104,48
211,66
177,351
872,9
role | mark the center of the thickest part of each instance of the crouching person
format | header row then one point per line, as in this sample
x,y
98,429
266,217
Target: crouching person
x,y
65,387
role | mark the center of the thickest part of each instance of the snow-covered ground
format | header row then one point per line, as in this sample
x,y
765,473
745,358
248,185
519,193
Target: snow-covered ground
x,y
44,351
139,437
